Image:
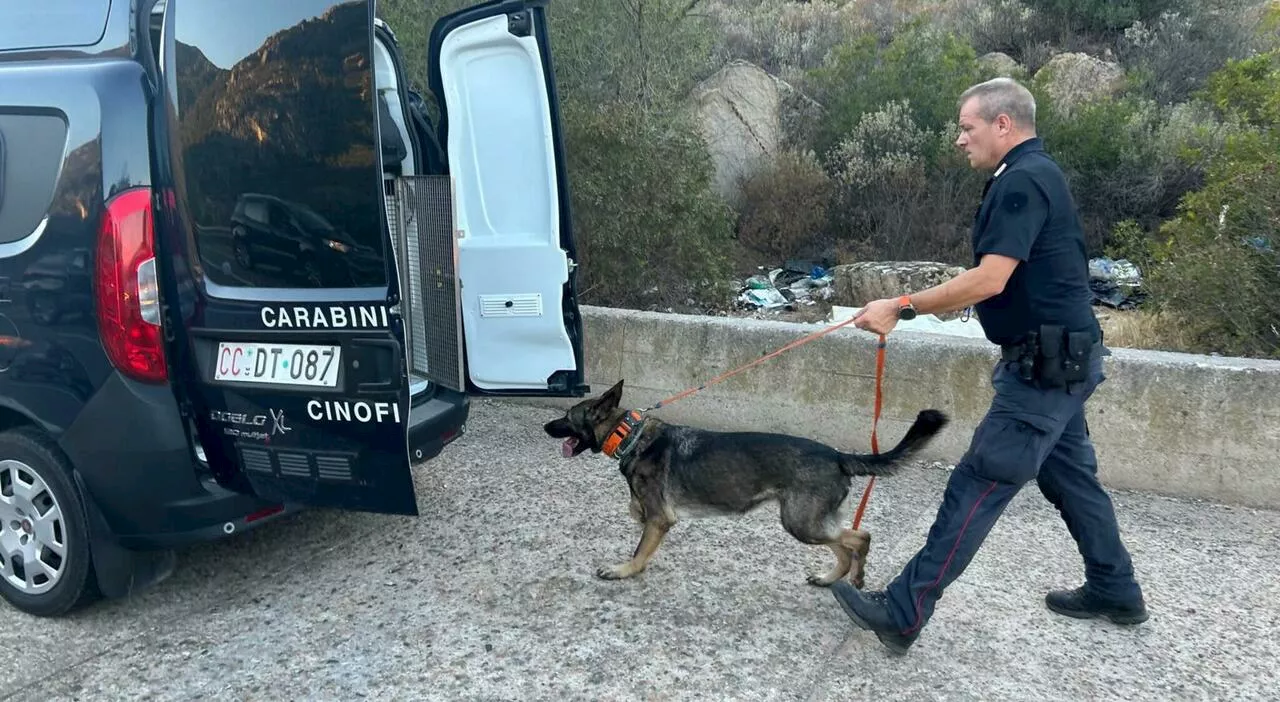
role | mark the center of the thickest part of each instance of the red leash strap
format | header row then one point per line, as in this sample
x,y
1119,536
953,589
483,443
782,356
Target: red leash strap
x,y
875,421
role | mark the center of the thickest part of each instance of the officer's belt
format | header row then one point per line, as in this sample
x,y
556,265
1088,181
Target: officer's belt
x,y
1067,362
1015,352
1012,352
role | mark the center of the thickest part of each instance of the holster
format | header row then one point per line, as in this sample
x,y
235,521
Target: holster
x,y
1053,357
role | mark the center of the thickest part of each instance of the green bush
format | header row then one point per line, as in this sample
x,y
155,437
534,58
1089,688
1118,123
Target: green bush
x,y
1217,264
784,209
903,191
1129,240
921,65
781,36
646,52
1127,158
1131,159
651,230
1007,26
787,38
1101,16
1248,89
901,188
1169,57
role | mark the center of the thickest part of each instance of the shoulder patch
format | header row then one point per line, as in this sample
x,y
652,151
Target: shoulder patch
x,y
1014,201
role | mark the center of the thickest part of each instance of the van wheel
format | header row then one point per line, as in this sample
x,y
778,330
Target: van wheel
x,y
242,254
45,567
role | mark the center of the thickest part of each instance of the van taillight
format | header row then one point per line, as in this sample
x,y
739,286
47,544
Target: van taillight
x,y
128,295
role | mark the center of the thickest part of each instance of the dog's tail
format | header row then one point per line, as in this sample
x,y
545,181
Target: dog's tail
x,y
928,423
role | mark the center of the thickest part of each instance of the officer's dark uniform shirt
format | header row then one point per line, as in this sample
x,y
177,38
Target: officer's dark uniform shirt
x,y
1027,213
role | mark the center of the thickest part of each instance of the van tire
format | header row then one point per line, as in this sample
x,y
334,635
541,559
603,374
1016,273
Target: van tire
x,y
31,454
240,251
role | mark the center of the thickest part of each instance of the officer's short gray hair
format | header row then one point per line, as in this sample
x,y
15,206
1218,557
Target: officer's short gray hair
x,y
1003,96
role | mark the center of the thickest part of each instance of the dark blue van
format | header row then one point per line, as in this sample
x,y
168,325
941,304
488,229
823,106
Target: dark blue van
x,y
245,269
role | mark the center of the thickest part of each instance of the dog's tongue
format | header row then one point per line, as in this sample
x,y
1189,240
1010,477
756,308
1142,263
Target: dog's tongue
x,y
566,449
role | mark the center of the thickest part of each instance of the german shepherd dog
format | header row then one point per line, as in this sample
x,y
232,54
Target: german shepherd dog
x,y
678,470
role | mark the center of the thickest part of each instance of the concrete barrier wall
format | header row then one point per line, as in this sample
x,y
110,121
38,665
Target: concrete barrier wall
x,y
1174,424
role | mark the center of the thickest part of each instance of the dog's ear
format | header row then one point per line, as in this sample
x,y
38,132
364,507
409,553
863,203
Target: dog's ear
x,y
610,399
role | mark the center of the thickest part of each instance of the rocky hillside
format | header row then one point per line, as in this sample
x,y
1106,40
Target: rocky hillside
x,y
291,117
196,75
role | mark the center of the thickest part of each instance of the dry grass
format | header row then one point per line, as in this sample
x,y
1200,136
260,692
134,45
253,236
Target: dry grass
x,y
1144,329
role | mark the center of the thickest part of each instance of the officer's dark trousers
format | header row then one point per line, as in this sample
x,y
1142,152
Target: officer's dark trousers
x,y
1028,434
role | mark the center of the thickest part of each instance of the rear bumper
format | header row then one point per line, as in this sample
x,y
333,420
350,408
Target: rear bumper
x,y
214,514
437,418
136,466
134,461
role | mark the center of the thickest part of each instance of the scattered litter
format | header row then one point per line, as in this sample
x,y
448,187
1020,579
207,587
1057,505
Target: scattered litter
x,y
766,298
1260,243
1120,272
1116,283
795,284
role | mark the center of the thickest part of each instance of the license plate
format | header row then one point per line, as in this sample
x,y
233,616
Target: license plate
x,y
278,364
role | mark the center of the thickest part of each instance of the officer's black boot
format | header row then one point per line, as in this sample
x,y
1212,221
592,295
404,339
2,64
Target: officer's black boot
x,y
870,611
1079,603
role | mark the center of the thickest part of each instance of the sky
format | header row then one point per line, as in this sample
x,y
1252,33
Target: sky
x,y
228,30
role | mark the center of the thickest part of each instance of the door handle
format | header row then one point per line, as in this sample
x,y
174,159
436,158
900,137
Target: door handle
x,y
385,356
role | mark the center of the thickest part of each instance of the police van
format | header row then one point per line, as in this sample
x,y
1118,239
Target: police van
x,y
246,269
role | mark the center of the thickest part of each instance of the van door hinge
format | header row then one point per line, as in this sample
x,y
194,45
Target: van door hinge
x,y
520,23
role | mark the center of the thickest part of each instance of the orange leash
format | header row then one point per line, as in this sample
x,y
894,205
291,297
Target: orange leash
x,y
725,376
875,446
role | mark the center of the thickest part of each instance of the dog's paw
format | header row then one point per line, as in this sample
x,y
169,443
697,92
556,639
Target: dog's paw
x,y
820,580
614,572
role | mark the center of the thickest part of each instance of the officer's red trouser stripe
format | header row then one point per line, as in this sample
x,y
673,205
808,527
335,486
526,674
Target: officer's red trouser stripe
x,y
947,563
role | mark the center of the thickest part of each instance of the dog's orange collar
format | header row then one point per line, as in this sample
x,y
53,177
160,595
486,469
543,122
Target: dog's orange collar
x,y
623,438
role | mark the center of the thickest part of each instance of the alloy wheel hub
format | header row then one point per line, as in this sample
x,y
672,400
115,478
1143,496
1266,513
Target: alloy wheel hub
x,y
33,536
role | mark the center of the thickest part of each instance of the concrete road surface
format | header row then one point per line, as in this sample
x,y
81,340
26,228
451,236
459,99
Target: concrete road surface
x,y
491,595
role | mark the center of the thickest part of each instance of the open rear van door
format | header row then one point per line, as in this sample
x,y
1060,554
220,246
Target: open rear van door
x,y
508,222
283,313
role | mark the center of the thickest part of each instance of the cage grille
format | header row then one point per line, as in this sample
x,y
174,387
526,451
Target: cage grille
x,y
421,217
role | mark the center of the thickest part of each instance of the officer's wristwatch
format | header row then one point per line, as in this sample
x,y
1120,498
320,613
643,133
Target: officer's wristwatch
x,y
906,310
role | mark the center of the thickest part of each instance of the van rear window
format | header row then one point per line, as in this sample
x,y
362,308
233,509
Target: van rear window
x,y
276,129
44,24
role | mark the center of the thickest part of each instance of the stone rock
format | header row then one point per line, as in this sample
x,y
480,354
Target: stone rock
x,y
856,284
1073,79
739,114
1002,64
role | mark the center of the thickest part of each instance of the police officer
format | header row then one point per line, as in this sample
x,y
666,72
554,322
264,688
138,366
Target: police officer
x,y
1030,288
